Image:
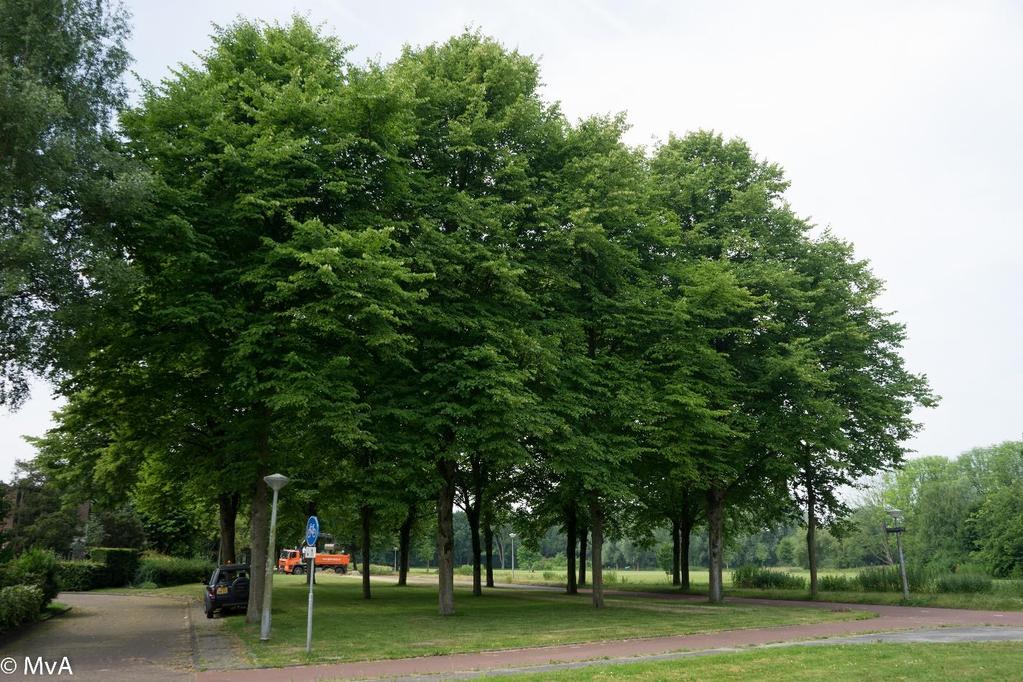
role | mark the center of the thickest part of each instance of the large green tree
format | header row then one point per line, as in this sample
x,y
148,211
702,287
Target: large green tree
x,y
265,258
62,182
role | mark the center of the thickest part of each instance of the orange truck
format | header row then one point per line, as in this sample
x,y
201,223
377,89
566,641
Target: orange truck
x,y
292,563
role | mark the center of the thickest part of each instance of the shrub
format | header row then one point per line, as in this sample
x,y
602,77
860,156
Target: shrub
x,y
837,583
614,578
387,569
763,578
464,569
35,567
165,571
122,563
962,583
19,604
79,576
552,575
888,579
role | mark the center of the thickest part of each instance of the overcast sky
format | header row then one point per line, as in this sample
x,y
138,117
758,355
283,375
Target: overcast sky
x,y
900,126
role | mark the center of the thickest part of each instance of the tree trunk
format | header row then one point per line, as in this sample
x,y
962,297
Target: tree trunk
x,y
811,534
570,533
472,515
259,536
597,531
228,503
716,532
685,530
488,541
676,549
365,516
404,542
446,538
582,556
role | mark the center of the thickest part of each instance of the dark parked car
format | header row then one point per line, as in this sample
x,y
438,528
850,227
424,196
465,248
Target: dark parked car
x,y
228,588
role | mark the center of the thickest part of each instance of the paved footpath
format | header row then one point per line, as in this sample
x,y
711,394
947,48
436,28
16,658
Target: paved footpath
x,y
110,637
973,626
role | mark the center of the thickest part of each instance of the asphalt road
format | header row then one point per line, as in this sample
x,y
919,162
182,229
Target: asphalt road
x,y
111,638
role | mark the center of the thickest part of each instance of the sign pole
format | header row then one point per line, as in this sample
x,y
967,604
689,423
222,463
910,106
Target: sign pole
x,y
312,532
309,617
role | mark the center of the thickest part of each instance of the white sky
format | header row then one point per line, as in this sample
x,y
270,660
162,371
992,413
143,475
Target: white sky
x,y
900,126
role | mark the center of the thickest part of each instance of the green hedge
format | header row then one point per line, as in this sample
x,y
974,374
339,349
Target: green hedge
x,y
165,571
763,578
36,567
79,576
122,563
19,604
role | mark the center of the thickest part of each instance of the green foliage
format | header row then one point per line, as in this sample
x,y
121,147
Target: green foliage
x,y
121,525
19,604
81,576
36,567
961,583
61,63
889,579
121,563
837,583
763,578
165,571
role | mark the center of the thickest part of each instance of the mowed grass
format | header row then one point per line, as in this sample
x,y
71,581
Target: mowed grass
x,y
846,663
402,621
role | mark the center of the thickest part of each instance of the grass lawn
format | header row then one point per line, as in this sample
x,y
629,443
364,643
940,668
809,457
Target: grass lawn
x,y
400,622
852,663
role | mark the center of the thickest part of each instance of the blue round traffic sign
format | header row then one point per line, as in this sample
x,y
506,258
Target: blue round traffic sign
x,y
312,530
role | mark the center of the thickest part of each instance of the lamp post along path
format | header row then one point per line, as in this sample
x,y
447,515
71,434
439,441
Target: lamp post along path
x,y
276,482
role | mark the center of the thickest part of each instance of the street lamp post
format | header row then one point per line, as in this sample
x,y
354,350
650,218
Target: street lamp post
x,y
512,535
276,482
395,559
898,527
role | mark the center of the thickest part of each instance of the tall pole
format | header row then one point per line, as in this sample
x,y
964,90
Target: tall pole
x,y
275,481
309,617
513,556
902,567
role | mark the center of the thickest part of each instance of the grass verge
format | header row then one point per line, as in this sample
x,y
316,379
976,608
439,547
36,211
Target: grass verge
x,y
401,622
844,663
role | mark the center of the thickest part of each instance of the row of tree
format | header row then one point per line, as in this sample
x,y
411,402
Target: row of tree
x,y
417,286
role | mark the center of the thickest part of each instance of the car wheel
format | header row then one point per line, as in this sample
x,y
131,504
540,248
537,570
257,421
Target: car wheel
x,y
298,570
209,611
339,570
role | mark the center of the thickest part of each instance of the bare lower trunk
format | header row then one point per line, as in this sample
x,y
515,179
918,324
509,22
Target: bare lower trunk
x,y
811,535
446,538
570,539
365,516
597,531
259,536
472,514
488,541
716,532
676,549
582,555
404,541
228,504
684,532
